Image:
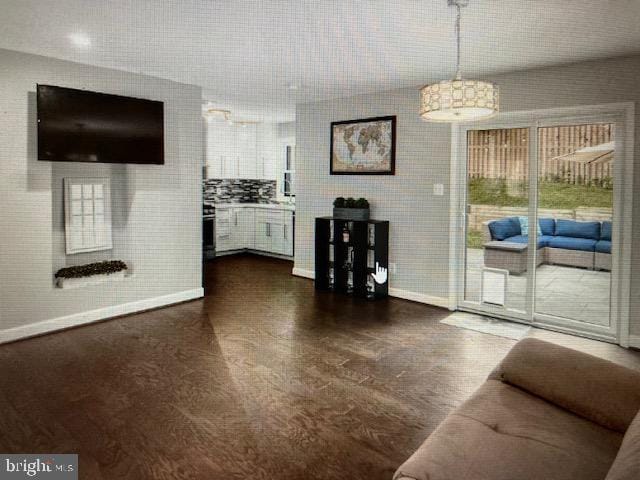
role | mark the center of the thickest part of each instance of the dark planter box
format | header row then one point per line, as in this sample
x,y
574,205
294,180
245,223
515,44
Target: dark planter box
x,y
351,213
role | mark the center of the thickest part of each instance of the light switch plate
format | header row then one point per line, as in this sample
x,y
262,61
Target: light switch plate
x,y
438,189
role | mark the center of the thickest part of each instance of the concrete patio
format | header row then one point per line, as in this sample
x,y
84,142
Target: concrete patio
x,y
569,292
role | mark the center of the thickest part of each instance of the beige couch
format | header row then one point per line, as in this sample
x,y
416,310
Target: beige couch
x,y
545,413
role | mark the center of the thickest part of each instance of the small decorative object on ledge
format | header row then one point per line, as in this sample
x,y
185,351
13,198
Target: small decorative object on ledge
x,y
351,209
90,274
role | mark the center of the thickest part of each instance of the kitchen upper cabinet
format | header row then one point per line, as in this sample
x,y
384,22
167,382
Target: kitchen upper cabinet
x,y
246,151
232,151
249,151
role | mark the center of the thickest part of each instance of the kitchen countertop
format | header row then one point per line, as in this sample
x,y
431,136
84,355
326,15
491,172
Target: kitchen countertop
x,y
271,206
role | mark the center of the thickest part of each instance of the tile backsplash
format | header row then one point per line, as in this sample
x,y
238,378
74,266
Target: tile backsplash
x,y
238,191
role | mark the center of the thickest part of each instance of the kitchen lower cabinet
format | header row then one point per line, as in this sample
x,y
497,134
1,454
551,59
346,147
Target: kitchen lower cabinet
x,y
260,229
244,227
223,230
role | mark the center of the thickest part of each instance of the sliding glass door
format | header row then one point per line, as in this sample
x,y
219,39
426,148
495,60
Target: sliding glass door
x,y
537,241
497,199
575,216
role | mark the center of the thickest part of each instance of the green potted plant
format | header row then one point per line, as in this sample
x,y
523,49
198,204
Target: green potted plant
x,y
351,209
90,274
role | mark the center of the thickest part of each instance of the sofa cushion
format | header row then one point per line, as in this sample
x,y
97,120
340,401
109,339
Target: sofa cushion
x,y
573,243
524,226
547,226
603,246
571,228
626,466
605,231
543,241
595,389
504,433
504,228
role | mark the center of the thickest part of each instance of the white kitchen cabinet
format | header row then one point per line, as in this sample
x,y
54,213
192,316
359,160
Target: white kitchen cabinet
x,y
246,152
249,151
249,228
224,241
221,152
288,233
264,226
274,231
243,228
232,151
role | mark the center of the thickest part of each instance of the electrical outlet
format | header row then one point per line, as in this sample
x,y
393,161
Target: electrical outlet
x,y
392,268
438,189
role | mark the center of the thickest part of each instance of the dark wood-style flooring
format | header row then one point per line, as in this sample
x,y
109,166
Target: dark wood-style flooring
x,y
264,378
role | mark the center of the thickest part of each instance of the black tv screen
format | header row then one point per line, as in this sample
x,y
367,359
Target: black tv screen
x,y
81,126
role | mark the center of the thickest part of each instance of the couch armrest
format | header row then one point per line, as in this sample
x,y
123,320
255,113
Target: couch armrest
x,y
486,233
598,390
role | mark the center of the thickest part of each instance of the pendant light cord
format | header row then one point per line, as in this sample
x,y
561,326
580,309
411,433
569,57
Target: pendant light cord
x,y
458,15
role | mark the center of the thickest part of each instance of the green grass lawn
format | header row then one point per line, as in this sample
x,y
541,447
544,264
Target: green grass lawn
x,y
552,194
474,239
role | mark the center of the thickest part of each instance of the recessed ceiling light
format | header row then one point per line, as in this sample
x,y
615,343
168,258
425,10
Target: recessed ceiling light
x,y
80,39
294,86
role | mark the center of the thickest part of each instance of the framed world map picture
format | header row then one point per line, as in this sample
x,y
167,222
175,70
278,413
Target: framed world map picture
x,y
364,147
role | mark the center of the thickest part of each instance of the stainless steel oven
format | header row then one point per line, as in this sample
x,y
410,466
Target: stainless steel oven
x,y
208,236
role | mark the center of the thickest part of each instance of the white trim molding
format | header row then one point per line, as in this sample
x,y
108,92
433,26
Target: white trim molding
x,y
441,302
301,272
91,316
623,115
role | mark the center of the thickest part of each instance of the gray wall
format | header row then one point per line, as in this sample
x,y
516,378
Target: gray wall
x,y
155,209
419,233
420,229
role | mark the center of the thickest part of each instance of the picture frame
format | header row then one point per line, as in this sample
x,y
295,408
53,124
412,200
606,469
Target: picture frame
x,y
365,146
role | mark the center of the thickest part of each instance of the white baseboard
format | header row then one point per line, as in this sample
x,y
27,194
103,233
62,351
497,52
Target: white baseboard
x,y
634,341
83,318
393,292
301,272
419,297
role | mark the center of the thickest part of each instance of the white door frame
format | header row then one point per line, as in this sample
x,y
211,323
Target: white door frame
x,y
622,114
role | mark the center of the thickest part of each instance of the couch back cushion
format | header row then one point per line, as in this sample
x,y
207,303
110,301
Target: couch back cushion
x,y
524,226
605,232
571,228
504,228
547,226
603,392
626,466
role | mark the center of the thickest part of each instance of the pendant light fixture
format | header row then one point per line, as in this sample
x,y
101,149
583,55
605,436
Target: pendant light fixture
x,y
458,100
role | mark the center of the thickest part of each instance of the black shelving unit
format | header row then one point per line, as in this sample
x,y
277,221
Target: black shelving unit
x,y
349,267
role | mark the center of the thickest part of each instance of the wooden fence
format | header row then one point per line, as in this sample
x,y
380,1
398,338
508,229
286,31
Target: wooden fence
x,y
504,153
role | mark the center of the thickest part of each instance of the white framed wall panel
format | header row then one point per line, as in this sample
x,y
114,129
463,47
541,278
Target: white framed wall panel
x,y
87,213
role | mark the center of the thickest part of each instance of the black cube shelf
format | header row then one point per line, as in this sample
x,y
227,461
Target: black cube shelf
x,y
349,267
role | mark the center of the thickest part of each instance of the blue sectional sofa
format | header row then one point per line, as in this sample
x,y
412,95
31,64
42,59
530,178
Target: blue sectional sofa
x,y
560,242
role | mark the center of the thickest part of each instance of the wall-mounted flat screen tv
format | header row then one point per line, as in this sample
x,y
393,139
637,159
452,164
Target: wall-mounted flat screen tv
x,y
82,126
